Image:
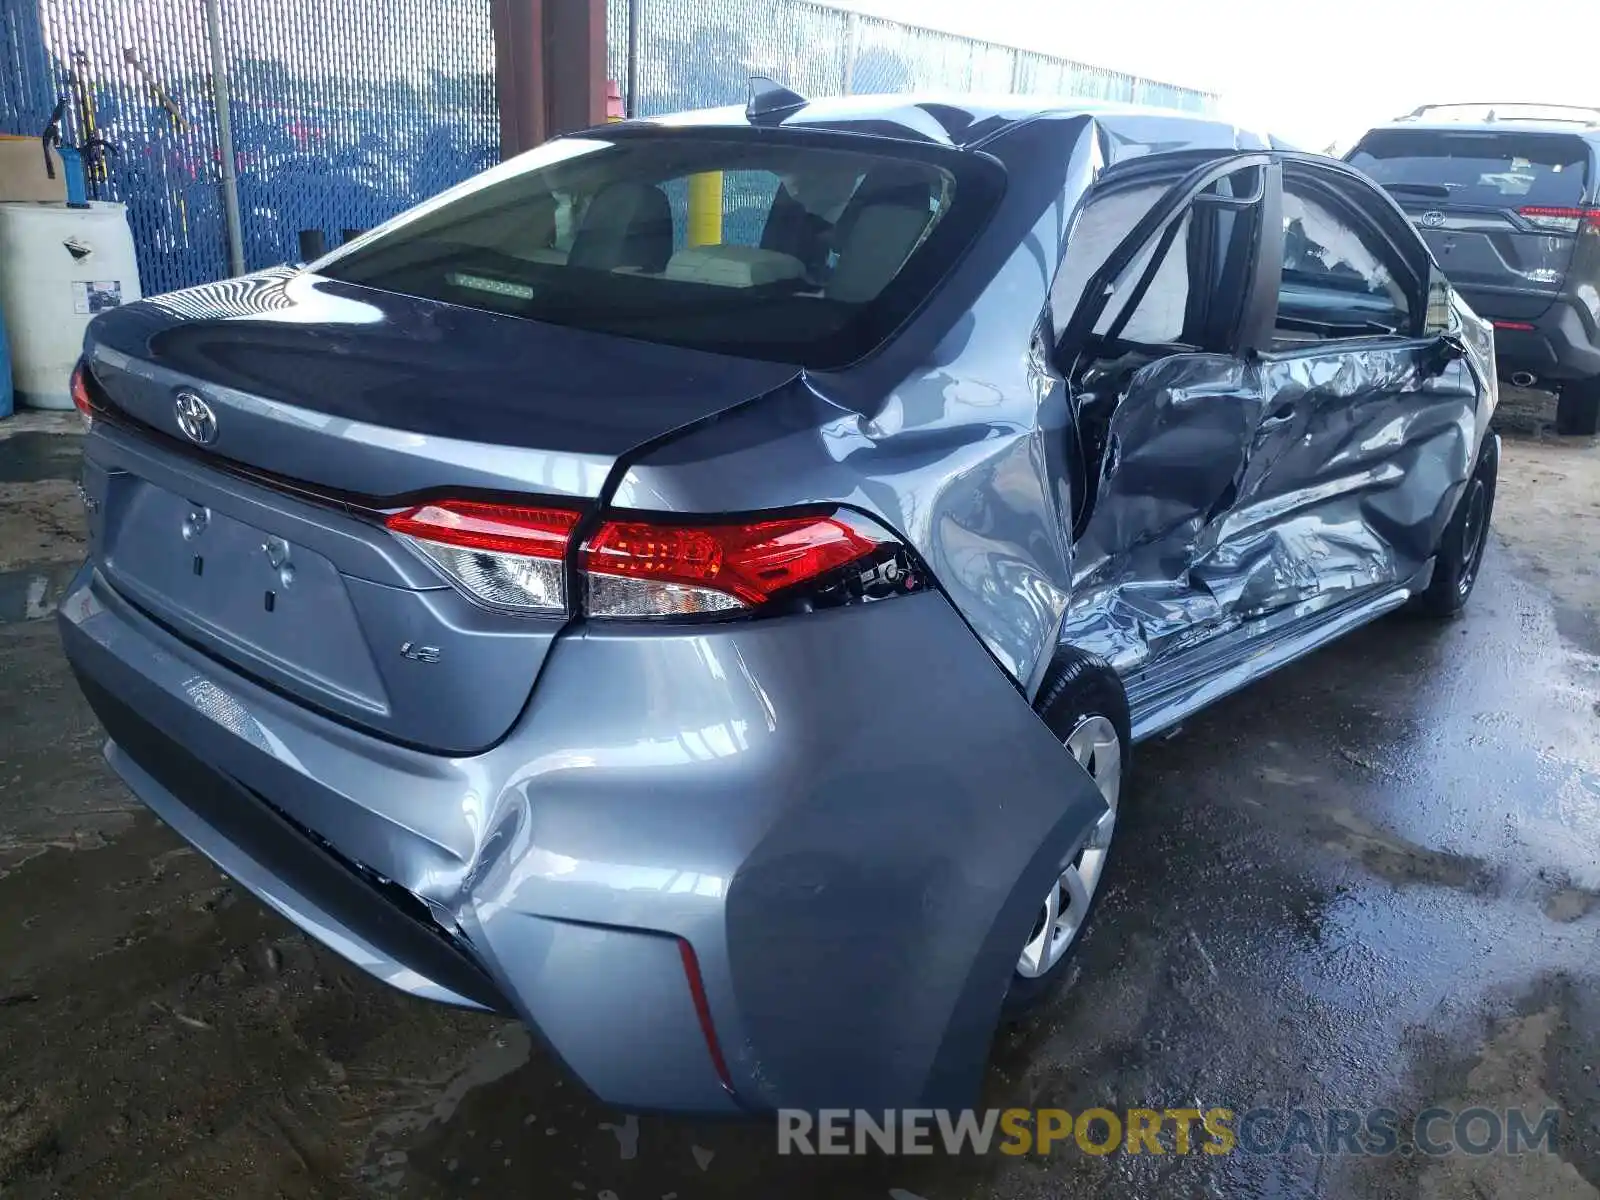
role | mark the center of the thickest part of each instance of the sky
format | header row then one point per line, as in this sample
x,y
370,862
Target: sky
x,y
1314,74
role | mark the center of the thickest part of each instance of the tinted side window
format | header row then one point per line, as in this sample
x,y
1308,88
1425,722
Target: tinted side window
x,y
1158,317
1099,227
1184,286
1339,279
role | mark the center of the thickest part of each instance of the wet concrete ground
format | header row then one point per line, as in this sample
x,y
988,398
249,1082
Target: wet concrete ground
x,y
1370,881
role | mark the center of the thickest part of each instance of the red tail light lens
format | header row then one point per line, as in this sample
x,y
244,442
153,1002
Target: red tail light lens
x,y
639,568
505,555
1565,220
502,528
512,557
80,396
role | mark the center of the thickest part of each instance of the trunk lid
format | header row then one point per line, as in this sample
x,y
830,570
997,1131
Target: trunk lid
x,y
1482,199
331,404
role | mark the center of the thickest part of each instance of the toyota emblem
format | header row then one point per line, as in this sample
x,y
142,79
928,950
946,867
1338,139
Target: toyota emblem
x,y
1432,219
195,418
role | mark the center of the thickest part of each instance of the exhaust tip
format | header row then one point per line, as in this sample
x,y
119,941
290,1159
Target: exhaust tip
x,y
1525,379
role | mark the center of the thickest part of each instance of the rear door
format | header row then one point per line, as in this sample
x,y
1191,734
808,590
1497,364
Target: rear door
x,y
1167,400
1500,210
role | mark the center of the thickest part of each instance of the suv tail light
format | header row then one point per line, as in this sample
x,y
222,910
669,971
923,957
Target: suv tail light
x,y
512,557
1562,220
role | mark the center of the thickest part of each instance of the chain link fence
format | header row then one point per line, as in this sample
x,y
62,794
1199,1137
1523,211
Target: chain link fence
x,y
346,112
701,53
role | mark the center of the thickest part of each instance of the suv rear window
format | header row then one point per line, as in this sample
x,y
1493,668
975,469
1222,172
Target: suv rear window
x,y
1489,169
763,246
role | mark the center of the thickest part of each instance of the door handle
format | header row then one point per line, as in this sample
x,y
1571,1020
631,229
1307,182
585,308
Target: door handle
x,y
1283,415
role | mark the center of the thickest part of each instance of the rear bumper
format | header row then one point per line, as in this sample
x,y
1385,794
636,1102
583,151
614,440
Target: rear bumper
x,y
847,816
1563,344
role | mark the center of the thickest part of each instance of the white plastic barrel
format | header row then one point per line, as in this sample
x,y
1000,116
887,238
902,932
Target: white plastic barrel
x,y
59,266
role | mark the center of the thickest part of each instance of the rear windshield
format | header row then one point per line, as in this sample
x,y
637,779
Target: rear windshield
x,y
1494,170
766,247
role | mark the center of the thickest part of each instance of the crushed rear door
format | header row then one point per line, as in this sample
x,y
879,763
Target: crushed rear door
x,y
1498,209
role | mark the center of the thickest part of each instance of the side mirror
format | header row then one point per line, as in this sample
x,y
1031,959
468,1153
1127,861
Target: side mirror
x,y
1444,350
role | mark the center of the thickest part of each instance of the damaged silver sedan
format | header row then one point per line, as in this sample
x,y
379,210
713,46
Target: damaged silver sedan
x,y
727,657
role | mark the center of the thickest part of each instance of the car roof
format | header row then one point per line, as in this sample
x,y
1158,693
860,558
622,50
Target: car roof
x,y
966,121
1589,131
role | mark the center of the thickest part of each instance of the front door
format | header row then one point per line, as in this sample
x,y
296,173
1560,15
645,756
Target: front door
x,y
1268,420
1367,428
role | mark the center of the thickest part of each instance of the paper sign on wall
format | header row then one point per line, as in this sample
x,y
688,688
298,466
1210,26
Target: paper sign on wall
x,y
90,297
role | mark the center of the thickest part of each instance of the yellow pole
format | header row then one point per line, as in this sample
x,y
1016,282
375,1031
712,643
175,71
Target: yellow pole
x,y
705,209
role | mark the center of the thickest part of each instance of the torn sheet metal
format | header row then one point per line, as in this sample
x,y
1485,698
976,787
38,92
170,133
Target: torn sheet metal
x,y
1231,490
963,452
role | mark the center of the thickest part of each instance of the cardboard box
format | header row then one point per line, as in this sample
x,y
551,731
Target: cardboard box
x,y
22,171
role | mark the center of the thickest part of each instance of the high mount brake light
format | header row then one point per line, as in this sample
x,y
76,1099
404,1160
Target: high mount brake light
x,y
505,555
513,557
1565,220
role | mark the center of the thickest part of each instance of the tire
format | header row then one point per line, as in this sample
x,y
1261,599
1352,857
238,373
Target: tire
x,y
1460,553
1578,408
1082,700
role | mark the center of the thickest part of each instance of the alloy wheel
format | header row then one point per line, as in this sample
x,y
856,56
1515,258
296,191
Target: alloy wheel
x,y
1095,745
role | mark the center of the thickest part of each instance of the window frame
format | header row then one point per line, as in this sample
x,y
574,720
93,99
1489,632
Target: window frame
x,y
1374,217
1250,329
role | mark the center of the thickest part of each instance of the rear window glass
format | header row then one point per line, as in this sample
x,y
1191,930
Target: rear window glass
x,y
756,246
1494,170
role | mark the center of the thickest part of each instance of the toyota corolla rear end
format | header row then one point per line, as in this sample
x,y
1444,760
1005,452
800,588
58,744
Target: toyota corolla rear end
x,y
713,802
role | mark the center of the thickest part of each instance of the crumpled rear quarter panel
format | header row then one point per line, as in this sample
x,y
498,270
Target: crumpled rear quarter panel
x,y
851,816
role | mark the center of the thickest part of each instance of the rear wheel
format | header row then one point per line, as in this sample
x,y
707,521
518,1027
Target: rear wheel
x,y
1460,554
1578,408
1082,700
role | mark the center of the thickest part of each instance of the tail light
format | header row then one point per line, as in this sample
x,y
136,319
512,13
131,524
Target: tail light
x,y
638,568
507,556
80,395
1560,220
515,558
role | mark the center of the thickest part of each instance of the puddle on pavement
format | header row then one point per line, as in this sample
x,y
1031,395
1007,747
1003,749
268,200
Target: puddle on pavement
x,y
31,457
1395,859
32,593
1568,904
1535,1053
1578,626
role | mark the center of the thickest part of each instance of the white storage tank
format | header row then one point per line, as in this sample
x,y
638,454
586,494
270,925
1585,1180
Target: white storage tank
x,y
59,266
